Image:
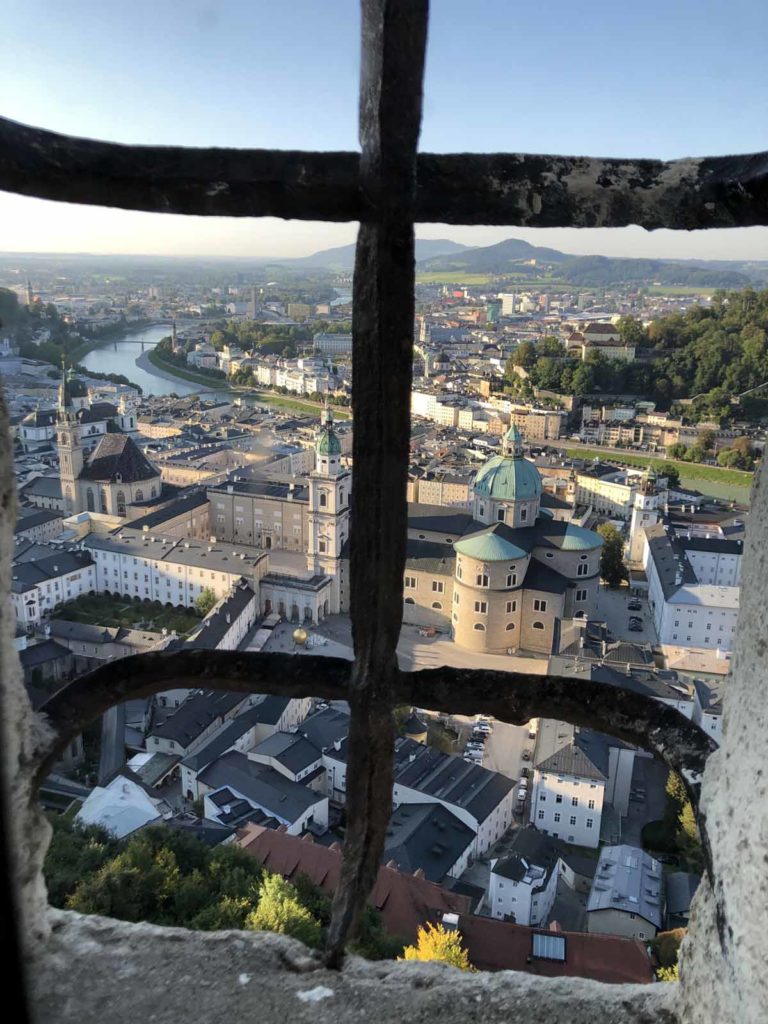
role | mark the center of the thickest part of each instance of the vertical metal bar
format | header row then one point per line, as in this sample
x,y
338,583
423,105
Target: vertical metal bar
x,y
393,48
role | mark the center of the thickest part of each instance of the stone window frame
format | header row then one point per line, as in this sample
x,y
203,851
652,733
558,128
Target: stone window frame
x,y
387,188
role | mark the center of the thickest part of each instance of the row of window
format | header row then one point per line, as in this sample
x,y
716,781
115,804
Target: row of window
x,y
590,821
559,800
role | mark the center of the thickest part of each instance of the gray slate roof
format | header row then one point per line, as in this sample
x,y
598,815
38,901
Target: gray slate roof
x,y
427,837
118,454
627,879
260,785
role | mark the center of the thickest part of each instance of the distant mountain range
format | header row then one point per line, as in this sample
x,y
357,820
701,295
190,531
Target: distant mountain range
x,y
342,258
515,258
512,256
519,258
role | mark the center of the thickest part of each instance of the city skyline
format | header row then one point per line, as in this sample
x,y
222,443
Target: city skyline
x,y
602,82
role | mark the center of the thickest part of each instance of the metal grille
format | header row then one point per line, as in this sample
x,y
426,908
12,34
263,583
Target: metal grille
x,y
387,187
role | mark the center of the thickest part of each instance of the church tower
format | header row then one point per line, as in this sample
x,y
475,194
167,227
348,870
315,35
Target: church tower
x,y
645,513
329,490
70,447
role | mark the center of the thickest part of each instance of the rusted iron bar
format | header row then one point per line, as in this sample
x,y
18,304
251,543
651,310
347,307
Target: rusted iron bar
x,y
175,179
394,39
509,697
518,189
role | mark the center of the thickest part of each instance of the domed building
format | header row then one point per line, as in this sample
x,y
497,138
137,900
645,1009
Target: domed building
x,y
507,585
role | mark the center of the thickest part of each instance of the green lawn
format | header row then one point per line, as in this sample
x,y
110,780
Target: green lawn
x,y
661,289
285,402
457,277
730,484
104,610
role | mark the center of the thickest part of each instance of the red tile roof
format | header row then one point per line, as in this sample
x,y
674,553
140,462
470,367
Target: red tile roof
x,y
408,901
405,901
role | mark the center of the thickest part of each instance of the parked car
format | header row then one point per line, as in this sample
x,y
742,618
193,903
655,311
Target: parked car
x,y
635,628
634,606
521,795
525,772
526,755
484,727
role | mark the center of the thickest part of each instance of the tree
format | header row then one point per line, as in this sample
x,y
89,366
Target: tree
x,y
672,473
677,451
550,346
612,567
728,458
75,852
205,600
525,355
707,439
434,942
668,973
279,910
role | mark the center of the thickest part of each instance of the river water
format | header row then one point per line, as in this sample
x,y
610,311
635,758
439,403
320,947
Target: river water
x,y
119,356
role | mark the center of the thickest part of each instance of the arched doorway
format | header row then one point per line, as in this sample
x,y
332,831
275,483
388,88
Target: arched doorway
x,y
281,609
307,614
267,607
267,542
325,609
294,613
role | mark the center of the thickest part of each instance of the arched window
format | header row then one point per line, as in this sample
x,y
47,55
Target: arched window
x,y
120,499
103,499
510,625
538,625
479,627
139,495
153,492
323,499
89,501
436,604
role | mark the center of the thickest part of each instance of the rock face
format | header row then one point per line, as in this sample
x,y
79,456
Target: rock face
x,y
95,969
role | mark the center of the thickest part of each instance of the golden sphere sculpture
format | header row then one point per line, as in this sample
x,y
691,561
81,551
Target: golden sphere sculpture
x,y
300,636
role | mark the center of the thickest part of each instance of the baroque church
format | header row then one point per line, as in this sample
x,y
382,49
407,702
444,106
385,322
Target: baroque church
x,y
503,576
115,475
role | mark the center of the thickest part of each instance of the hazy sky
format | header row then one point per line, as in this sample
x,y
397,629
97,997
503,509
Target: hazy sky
x,y
667,78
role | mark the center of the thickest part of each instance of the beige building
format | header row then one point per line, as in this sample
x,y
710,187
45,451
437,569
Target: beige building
x,y
116,475
505,587
607,490
538,424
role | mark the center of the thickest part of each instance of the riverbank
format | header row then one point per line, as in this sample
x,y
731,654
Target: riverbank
x,y
168,371
74,355
728,484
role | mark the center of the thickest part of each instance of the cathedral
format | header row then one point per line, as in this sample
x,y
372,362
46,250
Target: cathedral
x,y
115,475
504,576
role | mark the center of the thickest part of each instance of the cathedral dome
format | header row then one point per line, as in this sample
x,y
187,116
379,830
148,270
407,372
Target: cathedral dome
x,y
509,477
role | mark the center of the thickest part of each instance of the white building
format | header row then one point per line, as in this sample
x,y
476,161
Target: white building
x,y
576,772
482,799
523,884
122,808
688,612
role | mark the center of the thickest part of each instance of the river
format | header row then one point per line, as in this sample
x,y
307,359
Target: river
x,y
119,355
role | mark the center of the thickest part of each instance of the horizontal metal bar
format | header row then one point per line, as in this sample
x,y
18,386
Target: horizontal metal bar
x,y
510,697
453,188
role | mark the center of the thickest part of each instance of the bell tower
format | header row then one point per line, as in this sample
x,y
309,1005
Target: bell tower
x,y
329,491
645,513
70,447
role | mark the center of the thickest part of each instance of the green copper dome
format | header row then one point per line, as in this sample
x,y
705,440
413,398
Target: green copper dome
x,y
328,443
491,545
508,478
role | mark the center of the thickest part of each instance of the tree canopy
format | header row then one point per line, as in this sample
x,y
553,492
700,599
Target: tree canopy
x,y
435,942
612,567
